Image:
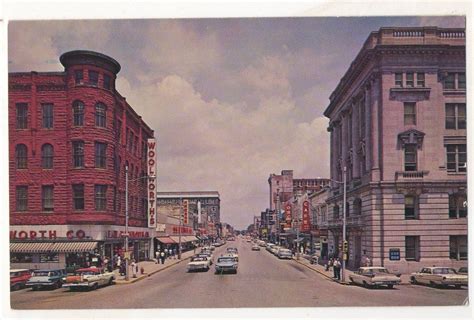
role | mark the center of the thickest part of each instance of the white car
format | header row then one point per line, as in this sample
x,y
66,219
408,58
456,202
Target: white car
x,y
89,278
283,253
269,246
374,277
199,263
275,249
439,276
255,248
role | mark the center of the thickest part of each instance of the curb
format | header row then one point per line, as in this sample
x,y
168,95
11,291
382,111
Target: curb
x,y
323,274
133,280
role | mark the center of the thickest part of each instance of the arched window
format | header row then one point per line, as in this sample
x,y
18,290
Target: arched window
x,y
335,212
47,154
21,156
100,115
357,206
78,113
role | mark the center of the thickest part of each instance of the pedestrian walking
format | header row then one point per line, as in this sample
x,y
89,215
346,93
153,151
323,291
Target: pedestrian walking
x,y
337,269
134,268
174,253
157,255
162,256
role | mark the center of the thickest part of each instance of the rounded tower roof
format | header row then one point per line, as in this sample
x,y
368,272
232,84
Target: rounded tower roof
x,y
91,58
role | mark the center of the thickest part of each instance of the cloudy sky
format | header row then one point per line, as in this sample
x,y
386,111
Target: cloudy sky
x,y
231,100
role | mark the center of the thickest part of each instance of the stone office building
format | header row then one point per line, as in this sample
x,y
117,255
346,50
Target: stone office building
x,y
398,126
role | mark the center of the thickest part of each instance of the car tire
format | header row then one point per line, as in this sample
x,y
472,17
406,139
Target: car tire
x,y
351,280
413,280
365,284
57,285
111,281
457,286
390,286
16,287
432,284
95,286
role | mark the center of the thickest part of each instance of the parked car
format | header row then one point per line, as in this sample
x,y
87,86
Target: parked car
x,y
206,254
269,246
226,264
374,277
274,249
18,278
199,263
49,278
462,270
89,278
314,259
234,252
262,243
284,253
439,276
255,247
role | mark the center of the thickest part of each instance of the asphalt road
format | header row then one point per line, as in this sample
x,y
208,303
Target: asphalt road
x,y
262,281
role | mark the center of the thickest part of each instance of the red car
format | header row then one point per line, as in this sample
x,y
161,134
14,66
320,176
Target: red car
x,y
18,278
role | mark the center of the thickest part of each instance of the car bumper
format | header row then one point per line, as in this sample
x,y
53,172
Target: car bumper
x,y
454,282
77,285
40,284
192,268
385,283
225,269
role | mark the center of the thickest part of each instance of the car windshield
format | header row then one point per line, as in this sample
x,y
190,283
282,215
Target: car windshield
x,y
41,273
226,259
373,271
444,271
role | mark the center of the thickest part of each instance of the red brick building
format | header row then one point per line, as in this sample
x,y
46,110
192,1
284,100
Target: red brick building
x,y
71,135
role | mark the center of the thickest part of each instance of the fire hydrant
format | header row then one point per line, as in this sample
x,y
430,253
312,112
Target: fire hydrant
x,y
142,270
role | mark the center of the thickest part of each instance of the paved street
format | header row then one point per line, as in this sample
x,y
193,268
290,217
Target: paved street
x,y
262,281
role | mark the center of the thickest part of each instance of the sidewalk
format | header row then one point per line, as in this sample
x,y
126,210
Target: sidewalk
x,y
150,267
405,278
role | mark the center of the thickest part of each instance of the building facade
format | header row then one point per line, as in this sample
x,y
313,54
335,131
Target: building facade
x,y
398,132
71,136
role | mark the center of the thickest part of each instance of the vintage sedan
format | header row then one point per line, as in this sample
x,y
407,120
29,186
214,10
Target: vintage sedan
x,y
439,276
255,247
462,270
206,254
234,252
18,278
89,278
226,263
199,263
284,253
47,278
374,277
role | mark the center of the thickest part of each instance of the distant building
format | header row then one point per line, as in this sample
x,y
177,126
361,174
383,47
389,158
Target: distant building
x,y
398,126
71,135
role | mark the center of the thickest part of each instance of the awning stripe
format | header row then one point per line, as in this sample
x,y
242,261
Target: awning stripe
x,y
41,247
165,240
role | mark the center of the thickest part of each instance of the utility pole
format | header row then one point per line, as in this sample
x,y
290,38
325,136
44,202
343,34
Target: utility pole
x,y
126,224
278,217
179,231
344,246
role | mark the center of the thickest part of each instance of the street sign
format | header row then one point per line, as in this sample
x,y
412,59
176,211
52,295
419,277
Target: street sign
x,y
126,254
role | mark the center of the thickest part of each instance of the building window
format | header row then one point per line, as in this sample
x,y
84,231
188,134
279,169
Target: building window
x,y
21,115
21,198
357,205
119,130
100,155
412,248
458,247
420,79
409,113
79,76
399,80
457,206
78,113
100,197
93,78
456,158
455,116
449,81
21,156
461,81
78,196
47,198
410,157
47,154
335,212
107,82
78,154
409,81
455,80
47,116
100,115
411,207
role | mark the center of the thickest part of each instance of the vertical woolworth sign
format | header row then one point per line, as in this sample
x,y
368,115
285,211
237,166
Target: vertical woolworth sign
x,y
185,211
306,224
288,215
151,164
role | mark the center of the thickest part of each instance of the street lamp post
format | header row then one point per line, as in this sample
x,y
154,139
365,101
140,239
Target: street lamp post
x,y
126,224
344,254
179,231
277,233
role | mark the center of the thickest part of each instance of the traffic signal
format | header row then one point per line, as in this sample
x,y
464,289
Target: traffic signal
x,y
345,247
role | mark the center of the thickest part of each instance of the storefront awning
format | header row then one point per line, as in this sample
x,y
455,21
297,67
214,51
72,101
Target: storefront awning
x,y
41,247
191,238
30,247
73,246
165,240
184,239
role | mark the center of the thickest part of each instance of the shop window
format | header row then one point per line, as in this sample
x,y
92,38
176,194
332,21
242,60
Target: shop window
x,y
100,197
100,115
458,247
78,196
21,156
48,257
93,78
21,115
78,154
21,198
457,206
456,158
47,198
412,248
409,113
21,257
78,113
410,157
79,76
100,155
411,207
47,155
47,116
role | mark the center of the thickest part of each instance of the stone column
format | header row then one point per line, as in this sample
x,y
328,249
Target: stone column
x,y
355,140
375,130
